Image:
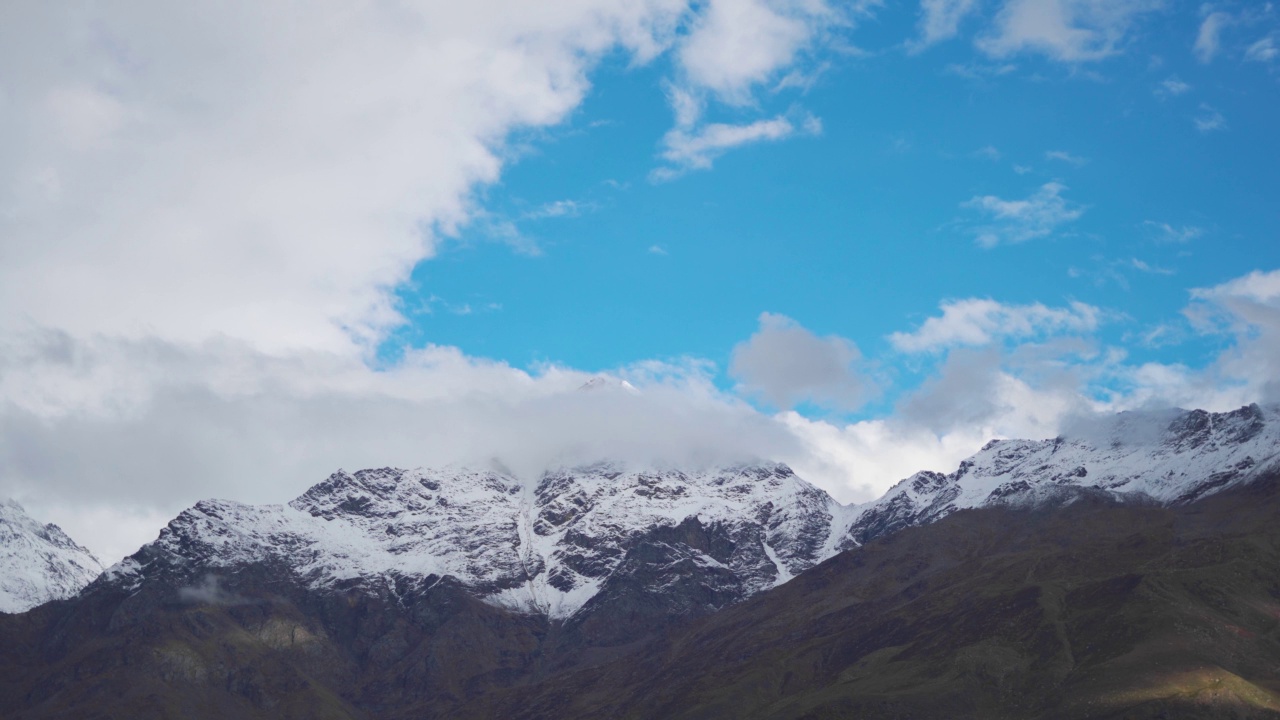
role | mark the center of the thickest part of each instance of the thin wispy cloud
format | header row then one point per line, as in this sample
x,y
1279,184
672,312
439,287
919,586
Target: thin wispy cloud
x,y
1209,37
559,209
1264,50
1171,86
1209,119
1168,233
1017,221
1145,267
989,152
696,148
1066,157
940,20
980,71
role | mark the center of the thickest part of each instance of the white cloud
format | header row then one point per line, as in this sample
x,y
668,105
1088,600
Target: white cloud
x,y
697,148
1209,119
187,173
1209,38
1168,233
786,364
976,322
940,20
1171,86
1263,50
979,71
1247,309
261,171
1041,388
732,49
1148,268
990,152
736,44
1066,157
1016,221
559,209
1065,30
975,397
204,212
101,429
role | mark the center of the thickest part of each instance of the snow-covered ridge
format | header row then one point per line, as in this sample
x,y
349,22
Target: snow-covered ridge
x,y
545,548
38,562
1169,457
552,545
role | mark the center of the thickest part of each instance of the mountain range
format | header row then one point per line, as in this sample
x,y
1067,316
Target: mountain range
x,y
727,592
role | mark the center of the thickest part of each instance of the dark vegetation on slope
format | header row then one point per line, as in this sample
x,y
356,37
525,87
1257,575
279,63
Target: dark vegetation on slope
x,y
1091,610
1088,609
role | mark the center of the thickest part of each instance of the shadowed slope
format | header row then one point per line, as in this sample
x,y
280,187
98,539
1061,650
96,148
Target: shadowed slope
x,y
1092,609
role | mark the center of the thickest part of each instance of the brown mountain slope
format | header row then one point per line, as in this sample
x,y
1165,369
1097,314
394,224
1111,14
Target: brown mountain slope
x,y
1084,609
1089,610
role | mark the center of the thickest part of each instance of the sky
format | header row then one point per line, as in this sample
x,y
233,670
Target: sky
x,y
244,246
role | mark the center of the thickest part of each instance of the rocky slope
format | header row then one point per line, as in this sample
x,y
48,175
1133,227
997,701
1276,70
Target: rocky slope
x,y
1096,609
549,549
38,562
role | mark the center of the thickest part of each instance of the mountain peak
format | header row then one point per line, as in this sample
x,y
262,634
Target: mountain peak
x,y
38,561
1165,456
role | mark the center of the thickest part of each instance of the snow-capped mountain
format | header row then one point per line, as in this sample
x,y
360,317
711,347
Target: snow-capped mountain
x,y
1168,457
38,562
577,540
547,548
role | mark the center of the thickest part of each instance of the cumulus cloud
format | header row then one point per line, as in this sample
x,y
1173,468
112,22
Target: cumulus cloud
x,y
204,214
271,173
1248,310
732,49
1016,221
975,396
1065,30
786,364
147,427
975,322
735,44
169,172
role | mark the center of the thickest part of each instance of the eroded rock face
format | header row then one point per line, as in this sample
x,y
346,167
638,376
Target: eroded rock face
x,y
545,548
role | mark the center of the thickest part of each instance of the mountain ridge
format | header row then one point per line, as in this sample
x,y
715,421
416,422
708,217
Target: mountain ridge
x,y
403,593
38,561
548,546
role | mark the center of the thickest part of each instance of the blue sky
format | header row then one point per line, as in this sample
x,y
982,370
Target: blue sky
x,y
244,245
862,228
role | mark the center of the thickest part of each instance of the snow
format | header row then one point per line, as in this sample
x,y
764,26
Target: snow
x,y
38,562
1165,457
